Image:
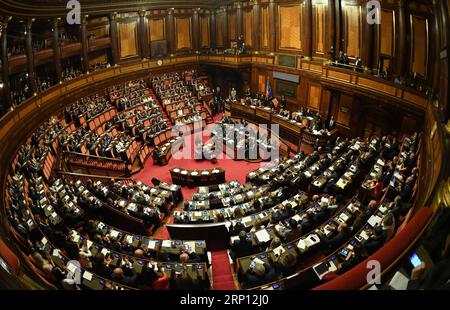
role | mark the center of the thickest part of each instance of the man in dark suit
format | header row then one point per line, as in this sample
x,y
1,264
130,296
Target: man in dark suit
x,y
101,265
241,247
259,275
308,222
283,103
291,232
340,237
436,277
125,274
375,241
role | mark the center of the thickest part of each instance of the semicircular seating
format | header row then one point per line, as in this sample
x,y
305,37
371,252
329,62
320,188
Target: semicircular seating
x,y
304,218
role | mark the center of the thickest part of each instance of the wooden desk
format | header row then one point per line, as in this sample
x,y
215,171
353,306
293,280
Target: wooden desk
x,y
320,139
193,178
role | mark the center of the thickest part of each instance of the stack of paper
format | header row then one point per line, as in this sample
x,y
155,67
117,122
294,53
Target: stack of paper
x,y
166,243
374,220
114,233
262,236
312,240
279,250
399,281
302,245
344,217
87,275
151,244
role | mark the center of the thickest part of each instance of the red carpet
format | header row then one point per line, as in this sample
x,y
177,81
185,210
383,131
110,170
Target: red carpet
x,y
222,276
235,170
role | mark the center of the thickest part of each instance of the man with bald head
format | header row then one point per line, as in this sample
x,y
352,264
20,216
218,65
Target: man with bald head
x,y
125,274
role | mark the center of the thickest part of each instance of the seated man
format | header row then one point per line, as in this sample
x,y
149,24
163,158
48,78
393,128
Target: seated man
x,y
125,274
290,232
286,264
341,235
259,274
434,277
375,241
241,247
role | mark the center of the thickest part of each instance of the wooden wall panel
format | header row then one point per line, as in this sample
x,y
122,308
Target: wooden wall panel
x,y
183,33
419,52
409,124
319,24
232,30
98,57
100,32
387,30
265,27
314,99
289,29
127,39
157,29
220,26
248,28
353,30
204,32
345,110
261,83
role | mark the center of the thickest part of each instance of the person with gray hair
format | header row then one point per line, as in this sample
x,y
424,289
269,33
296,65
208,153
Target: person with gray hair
x,y
259,274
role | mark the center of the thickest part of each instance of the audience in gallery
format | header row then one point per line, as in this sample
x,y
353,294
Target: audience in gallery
x,y
16,49
409,79
98,66
70,72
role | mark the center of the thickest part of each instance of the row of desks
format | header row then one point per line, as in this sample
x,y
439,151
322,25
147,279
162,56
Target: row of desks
x,y
290,130
194,178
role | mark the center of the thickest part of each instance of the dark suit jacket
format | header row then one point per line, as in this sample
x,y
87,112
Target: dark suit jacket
x,y
241,248
436,278
252,280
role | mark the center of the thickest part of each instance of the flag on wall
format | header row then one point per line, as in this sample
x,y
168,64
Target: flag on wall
x,y
269,94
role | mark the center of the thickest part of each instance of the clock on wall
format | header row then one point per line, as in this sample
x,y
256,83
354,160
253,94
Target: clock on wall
x,y
159,62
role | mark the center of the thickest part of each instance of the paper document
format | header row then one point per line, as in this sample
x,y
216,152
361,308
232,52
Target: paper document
x,y
262,236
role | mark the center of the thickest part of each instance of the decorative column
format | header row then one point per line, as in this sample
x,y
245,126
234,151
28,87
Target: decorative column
x,y
5,66
332,24
239,20
401,51
226,35
114,39
368,43
30,56
57,50
84,44
272,26
196,30
143,35
171,31
338,29
212,28
256,25
309,27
